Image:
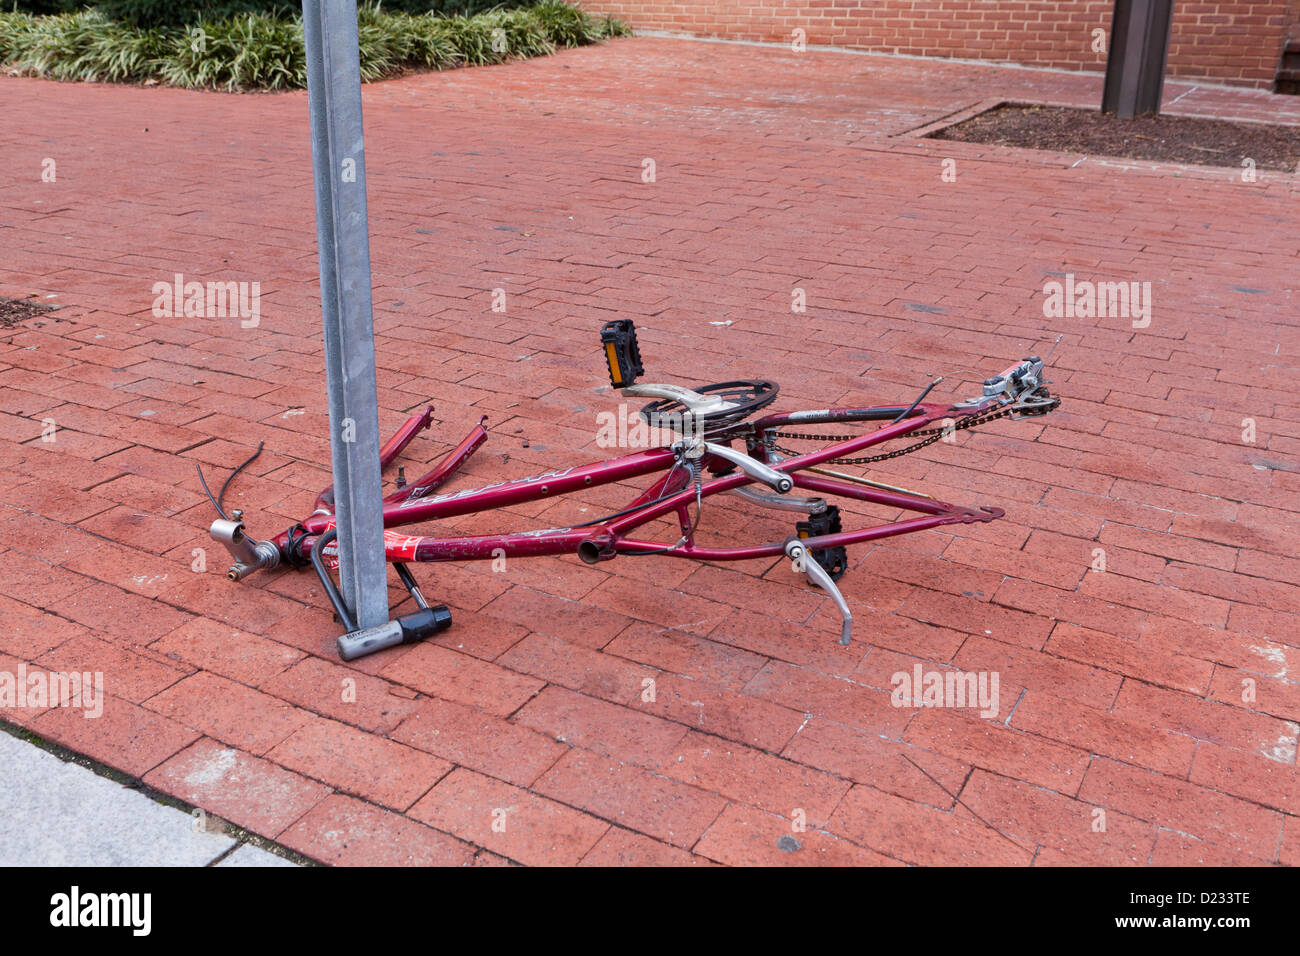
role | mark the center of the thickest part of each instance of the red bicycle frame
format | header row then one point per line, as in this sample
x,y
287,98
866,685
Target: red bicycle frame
x,y
414,504
681,467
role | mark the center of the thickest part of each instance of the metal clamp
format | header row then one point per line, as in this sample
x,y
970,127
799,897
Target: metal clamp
x,y
1022,378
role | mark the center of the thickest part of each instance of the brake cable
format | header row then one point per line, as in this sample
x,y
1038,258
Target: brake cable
x,y
218,501
920,398
696,470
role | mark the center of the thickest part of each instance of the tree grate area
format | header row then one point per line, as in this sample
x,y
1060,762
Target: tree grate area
x,y
1171,139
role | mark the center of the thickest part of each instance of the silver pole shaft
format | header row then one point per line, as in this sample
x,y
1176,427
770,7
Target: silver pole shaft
x,y
342,234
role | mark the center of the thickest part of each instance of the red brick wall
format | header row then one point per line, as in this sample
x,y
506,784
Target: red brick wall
x,y
1235,41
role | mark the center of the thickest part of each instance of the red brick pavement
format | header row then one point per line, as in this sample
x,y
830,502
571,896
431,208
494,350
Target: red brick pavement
x,y
1159,691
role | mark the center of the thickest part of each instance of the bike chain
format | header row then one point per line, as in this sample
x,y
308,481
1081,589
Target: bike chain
x,y
934,434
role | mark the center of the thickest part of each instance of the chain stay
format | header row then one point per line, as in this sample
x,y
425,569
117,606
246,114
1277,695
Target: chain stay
x,y
933,434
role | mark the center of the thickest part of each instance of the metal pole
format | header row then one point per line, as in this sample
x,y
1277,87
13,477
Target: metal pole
x,y
342,235
1135,65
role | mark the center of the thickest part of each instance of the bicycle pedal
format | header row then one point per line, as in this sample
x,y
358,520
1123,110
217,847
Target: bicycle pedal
x,y
834,561
621,352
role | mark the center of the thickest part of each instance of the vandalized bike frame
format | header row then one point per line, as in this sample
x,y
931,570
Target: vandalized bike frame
x,y
681,484
416,503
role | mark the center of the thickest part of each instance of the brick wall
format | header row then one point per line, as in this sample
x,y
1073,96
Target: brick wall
x,y
1235,41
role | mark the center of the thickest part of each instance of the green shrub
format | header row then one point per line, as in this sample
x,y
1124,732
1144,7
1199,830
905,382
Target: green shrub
x,y
84,46
178,13
255,51
263,51
175,13
15,34
566,26
42,7
450,8
390,41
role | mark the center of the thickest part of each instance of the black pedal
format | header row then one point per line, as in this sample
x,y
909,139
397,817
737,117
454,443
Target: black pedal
x,y
834,561
621,352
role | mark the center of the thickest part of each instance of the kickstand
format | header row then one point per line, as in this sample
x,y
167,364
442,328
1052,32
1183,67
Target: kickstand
x,y
804,561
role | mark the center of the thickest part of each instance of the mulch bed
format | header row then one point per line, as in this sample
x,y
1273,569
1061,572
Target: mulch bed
x,y
1173,139
13,311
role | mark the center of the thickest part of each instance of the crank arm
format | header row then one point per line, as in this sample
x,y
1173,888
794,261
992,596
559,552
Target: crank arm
x,y
778,481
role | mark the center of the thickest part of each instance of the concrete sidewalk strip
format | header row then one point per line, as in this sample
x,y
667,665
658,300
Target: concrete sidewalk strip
x,y
54,813
249,855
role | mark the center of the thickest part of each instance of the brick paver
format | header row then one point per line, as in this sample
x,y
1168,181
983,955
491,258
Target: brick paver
x,y
1148,713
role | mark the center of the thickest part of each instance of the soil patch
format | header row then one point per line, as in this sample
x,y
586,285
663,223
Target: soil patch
x,y
1173,139
13,311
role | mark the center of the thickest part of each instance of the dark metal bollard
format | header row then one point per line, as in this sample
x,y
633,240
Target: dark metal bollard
x,y
1135,65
